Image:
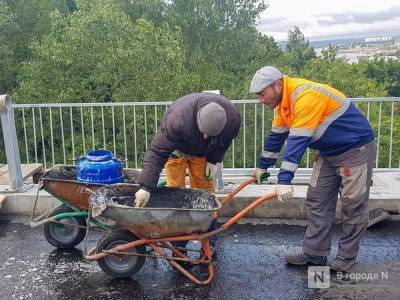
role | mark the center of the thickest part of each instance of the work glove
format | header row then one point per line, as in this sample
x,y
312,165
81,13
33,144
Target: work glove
x,y
261,175
284,192
141,198
211,169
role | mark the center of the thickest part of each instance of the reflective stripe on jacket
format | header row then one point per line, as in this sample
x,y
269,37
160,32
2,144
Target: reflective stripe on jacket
x,y
312,115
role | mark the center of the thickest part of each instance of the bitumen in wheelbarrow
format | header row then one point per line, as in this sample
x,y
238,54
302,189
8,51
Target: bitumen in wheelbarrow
x,y
172,215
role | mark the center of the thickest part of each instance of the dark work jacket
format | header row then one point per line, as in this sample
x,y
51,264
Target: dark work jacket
x,y
179,131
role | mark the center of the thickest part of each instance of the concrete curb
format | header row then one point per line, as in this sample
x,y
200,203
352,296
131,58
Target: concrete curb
x,y
380,197
296,208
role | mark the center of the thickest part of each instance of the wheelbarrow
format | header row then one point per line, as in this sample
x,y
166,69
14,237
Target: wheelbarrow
x,y
169,217
65,225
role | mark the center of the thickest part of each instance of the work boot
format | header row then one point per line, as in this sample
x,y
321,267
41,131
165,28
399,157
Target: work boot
x,y
304,259
341,264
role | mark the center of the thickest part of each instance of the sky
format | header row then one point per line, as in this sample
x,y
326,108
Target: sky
x,y
322,20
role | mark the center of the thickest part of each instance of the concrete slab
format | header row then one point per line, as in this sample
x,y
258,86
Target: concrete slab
x,y
27,171
22,203
387,179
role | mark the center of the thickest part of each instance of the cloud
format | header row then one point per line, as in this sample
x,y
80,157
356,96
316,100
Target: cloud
x,y
360,17
279,24
334,25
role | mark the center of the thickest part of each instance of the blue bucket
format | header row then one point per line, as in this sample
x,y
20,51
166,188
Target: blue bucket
x,y
99,166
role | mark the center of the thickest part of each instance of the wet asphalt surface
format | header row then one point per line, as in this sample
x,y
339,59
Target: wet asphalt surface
x,y
250,265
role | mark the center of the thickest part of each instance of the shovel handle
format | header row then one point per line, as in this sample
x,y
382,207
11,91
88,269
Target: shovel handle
x,y
238,189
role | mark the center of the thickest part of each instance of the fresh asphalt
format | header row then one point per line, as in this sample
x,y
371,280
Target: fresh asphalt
x,y
250,265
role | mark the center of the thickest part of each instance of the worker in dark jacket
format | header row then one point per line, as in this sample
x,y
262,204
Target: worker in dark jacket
x,y
196,131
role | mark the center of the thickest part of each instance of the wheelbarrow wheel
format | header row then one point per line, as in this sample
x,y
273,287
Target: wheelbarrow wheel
x,y
64,236
121,266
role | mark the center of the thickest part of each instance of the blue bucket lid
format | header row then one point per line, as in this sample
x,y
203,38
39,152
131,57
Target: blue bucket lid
x,y
99,155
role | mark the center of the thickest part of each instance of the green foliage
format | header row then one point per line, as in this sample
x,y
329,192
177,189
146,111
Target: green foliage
x,y
221,42
147,50
351,79
22,22
97,55
151,10
298,50
9,29
386,72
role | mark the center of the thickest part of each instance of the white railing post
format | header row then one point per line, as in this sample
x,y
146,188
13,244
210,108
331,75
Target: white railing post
x,y
218,181
11,142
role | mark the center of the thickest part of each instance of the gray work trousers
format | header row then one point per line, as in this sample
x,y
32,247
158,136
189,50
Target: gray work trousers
x,y
350,175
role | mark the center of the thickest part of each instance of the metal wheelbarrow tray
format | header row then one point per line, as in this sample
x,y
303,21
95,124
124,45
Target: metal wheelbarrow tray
x,y
61,183
64,225
170,211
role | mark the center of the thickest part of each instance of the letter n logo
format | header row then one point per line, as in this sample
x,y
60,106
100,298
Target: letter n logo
x,y
319,277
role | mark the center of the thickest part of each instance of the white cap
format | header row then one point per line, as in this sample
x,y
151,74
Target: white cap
x,y
263,78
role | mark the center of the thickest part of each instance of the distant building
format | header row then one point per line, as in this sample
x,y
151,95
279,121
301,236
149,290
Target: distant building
x,y
386,38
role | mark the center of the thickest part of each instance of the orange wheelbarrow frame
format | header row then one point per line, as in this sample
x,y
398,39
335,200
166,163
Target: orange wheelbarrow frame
x,y
206,257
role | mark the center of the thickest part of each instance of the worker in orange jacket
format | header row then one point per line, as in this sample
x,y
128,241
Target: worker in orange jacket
x,y
314,115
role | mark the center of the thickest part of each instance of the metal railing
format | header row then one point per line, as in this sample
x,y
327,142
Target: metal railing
x,y
57,133
10,143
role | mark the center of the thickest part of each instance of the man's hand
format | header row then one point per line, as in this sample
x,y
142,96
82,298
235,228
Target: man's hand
x,y
211,169
261,175
284,192
141,198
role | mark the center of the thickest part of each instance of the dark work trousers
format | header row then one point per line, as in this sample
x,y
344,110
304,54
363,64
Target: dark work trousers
x,y
350,175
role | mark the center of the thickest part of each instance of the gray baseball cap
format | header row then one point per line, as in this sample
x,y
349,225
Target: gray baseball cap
x,y
263,78
211,119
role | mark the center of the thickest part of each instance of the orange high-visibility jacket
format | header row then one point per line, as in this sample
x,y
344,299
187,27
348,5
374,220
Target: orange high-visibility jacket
x,y
312,115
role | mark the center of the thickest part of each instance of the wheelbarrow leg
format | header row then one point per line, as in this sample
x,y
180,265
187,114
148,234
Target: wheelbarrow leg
x,y
191,277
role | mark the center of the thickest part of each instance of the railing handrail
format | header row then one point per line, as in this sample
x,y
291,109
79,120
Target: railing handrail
x,y
163,103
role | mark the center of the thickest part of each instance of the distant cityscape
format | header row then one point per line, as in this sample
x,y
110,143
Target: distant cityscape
x,y
353,49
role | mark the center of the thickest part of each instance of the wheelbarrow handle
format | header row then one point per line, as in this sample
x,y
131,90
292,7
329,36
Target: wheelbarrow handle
x,y
237,190
248,209
239,215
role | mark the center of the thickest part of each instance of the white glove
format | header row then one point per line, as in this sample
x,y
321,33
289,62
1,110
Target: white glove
x,y
284,192
141,198
261,175
211,169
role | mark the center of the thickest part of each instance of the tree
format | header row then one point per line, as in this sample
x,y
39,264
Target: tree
x,y
217,32
151,10
387,72
298,50
9,28
351,79
96,54
223,46
22,22
330,54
